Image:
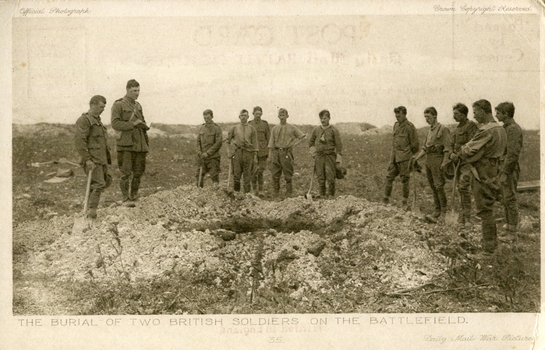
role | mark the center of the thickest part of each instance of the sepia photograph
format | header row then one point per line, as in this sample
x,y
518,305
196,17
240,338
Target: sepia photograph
x,y
280,174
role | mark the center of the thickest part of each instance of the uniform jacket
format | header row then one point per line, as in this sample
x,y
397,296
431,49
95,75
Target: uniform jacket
x,y
438,140
513,148
91,140
284,136
326,140
243,136
489,142
463,133
210,139
263,136
405,142
129,137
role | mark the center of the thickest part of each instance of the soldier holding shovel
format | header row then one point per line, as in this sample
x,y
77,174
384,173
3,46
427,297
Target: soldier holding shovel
x,y
464,132
91,144
209,142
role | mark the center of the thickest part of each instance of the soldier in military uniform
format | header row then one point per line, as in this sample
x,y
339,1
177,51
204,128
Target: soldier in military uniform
x,y
263,136
91,144
484,152
132,141
326,147
464,132
283,137
243,149
209,142
510,171
437,150
405,145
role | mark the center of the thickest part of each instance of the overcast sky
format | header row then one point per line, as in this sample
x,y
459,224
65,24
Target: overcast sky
x,y
358,67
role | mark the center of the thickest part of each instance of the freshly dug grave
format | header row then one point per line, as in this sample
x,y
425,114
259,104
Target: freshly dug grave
x,y
192,250
242,243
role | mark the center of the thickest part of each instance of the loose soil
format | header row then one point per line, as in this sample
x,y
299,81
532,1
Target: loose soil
x,y
186,250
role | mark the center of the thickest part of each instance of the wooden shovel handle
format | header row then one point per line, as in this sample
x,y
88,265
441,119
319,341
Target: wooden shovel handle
x,y
87,191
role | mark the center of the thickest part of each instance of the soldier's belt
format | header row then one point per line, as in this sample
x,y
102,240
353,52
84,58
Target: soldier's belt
x,y
283,149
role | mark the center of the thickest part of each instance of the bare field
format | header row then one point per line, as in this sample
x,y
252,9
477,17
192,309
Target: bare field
x,y
185,250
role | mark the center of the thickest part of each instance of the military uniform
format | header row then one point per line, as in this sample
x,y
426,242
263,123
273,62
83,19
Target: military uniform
x,y
327,145
263,136
437,148
283,137
405,145
91,143
242,139
484,152
132,144
511,171
463,133
209,142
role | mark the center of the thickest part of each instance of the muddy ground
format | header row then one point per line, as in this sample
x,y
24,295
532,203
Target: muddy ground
x,y
185,250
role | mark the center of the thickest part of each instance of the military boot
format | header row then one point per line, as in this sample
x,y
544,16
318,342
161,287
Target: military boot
x,y
331,189
236,186
255,190
260,182
489,233
135,185
322,190
276,190
289,189
124,185
387,194
509,234
94,198
405,204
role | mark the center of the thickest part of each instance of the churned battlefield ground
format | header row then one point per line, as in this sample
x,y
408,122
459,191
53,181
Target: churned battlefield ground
x,y
185,250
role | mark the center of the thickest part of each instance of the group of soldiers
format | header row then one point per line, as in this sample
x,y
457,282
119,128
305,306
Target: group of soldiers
x,y
484,155
485,158
253,146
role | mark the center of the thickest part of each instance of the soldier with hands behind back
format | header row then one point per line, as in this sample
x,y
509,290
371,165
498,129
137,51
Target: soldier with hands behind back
x,y
326,147
263,136
243,148
283,137
405,145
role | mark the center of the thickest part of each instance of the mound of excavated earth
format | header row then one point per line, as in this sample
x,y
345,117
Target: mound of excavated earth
x,y
231,235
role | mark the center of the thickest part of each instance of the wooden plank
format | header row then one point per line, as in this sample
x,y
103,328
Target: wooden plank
x,y
527,186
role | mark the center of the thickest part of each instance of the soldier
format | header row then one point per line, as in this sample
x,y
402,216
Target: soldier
x,y
132,142
326,147
91,144
405,145
283,137
243,148
484,152
263,136
209,142
464,132
505,112
437,151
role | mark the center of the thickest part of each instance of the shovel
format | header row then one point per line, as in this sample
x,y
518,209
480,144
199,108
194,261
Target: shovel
x,y
451,218
79,221
415,208
308,196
